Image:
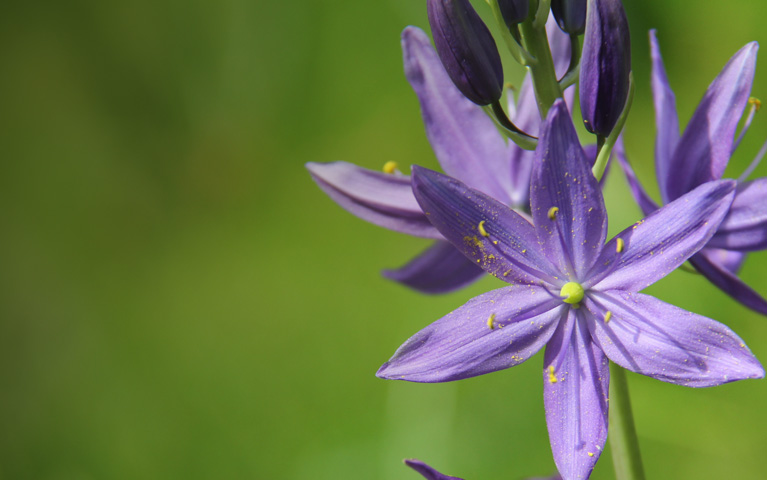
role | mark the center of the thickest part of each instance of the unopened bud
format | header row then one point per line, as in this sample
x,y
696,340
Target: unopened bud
x,y
605,66
467,50
514,11
570,15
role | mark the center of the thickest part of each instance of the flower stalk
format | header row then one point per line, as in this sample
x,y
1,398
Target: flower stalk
x,y
545,82
627,460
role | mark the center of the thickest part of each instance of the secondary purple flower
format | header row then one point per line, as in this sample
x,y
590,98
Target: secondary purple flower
x,y
570,15
700,155
467,145
430,473
605,66
572,292
467,50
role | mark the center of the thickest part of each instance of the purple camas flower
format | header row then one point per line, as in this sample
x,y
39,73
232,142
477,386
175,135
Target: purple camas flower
x,y
467,145
605,66
467,50
572,292
701,155
430,473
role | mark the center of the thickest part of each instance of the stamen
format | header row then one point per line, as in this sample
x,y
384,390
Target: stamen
x,y
490,321
553,213
754,163
619,244
390,167
552,376
608,316
481,228
756,104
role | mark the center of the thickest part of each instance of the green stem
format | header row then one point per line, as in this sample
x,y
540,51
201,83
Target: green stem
x,y
517,51
544,77
623,436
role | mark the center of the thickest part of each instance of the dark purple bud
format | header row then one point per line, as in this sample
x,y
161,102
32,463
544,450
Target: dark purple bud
x,y
514,11
467,50
570,15
605,66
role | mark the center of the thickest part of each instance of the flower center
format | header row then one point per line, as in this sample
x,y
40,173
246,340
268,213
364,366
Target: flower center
x,y
571,293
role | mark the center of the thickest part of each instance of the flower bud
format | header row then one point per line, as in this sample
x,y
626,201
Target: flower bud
x,y
570,15
605,66
467,50
514,11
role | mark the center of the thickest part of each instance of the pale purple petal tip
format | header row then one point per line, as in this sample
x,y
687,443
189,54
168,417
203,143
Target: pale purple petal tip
x,y
428,472
439,269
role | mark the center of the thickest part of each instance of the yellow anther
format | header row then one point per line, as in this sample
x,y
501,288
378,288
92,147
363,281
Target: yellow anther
x,y
571,293
510,86
755,102
481,228
552,376
619,244
608,316
591,454
390,166
490,321
553,213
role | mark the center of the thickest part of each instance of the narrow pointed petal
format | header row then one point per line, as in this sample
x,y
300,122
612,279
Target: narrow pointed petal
x,y
465,140
655,246
745,226
462,344
646,204
467,49
439,269
562,180
380,198
651,337
575,397
666,121
718,273
706,145
428,472
726,259
492,235
559,43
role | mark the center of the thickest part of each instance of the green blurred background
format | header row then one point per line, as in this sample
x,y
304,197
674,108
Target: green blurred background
x,y
179,300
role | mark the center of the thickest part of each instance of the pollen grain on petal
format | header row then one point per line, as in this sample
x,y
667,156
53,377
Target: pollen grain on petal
x,y
390,167
481,228
552,374
553,213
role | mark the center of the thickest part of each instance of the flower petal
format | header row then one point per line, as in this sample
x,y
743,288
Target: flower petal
x,y
651,337
745,226
720,274
706,145
666,121
380,198
462,344
562,179
727,259
559,43
497,238
650,249
439,269
575,397
427,472
465,140
646,204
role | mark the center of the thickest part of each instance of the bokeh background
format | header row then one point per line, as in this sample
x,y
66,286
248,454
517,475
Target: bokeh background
x,y
179,300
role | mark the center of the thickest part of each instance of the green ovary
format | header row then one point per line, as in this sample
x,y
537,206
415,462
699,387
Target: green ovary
x,y
571,292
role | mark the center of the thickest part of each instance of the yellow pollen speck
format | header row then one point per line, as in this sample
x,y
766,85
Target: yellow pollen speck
x,y
755,102
553,213
481,228
619,244
552,376
490,321
591,454
495,242
390,166
608,316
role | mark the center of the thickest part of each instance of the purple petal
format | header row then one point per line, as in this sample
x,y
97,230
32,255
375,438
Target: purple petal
x,y
559,43
439,269
428,472
718,273
562,179
662,341
745,226
492,235
380,198
727,259
576,377
655,246
462,344
646,204
465,140
666,122
706,145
